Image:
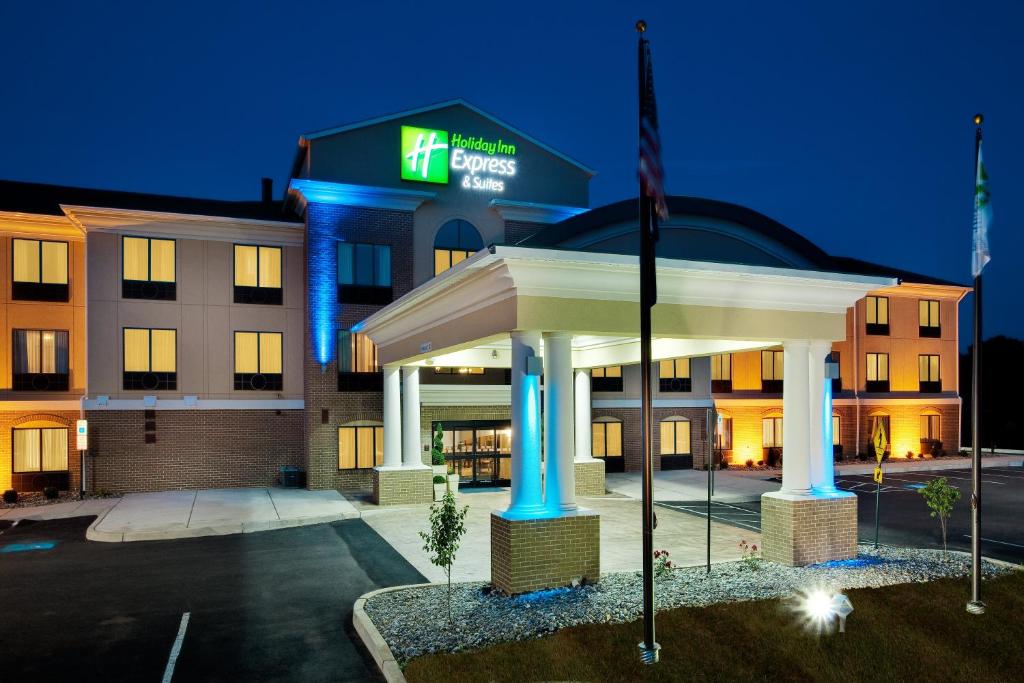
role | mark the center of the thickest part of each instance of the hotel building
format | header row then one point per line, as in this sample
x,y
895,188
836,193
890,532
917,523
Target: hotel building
x,y
212,343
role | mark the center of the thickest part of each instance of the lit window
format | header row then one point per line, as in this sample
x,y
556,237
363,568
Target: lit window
x,y
928,319
771,432
928,373
40,449
40,270
606,379
930,427
675,437
876,316
456,241
674,375
356,353
721,372
877,372
40,360
606,439
458,371
150,359
148,268
258,361
723,433
836,437
771,365
257,274
360,447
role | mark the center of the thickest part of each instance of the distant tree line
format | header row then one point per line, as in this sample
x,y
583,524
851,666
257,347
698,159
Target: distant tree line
x,y
1002,384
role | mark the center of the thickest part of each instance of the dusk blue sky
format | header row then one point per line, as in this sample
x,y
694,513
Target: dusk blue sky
x,y
848,122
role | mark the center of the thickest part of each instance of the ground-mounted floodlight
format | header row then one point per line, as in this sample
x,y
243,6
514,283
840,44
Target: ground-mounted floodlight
x,y
821,609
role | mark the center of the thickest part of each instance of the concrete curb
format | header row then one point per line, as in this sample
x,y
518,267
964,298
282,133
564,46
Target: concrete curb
x,y
371,637
926,466
94,533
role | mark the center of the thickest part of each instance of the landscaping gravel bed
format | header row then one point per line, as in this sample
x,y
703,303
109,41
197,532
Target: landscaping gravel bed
x,y
414,621
37,499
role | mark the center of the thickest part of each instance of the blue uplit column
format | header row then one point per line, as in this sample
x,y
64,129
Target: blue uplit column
x,y
559,423
819,423
527,499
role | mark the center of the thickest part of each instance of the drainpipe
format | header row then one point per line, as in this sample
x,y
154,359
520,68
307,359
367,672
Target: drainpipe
x,y
856,383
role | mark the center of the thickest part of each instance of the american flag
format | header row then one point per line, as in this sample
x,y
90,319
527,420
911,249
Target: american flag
x,y
651,172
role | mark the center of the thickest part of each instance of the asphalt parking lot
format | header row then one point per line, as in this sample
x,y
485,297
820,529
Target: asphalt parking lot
x,y
274,605
903,515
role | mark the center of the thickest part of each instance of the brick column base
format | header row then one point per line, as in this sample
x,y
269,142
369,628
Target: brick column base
x,y
801,530
589,477
549,552
403,485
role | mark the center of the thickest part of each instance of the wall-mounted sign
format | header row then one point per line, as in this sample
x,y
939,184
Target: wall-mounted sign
x,y
82,435
428,155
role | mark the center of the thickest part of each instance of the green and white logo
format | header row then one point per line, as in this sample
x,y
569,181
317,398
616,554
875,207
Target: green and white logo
x,y
424,155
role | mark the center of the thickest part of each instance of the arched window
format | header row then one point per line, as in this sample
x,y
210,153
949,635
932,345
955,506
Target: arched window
x,y
675,436
456,241
930,425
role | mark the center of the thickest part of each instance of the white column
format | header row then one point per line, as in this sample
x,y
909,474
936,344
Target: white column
x,y
410,417
581,403
796,474
527,498
559,452
392,416
817,422
828,477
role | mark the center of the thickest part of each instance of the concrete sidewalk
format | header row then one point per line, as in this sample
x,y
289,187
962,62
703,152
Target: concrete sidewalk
x,y
214,512
76,508
731,486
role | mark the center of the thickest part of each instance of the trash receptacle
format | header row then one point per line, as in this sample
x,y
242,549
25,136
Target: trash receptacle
x,y
292,477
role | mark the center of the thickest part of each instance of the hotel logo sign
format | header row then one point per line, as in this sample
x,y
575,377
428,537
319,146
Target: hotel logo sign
x,y
429,155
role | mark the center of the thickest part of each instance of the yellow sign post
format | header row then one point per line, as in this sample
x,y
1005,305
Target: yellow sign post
x,y
879,441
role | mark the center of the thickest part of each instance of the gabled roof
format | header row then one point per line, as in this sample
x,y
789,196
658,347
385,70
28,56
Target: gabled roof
x,y
441,105
39,198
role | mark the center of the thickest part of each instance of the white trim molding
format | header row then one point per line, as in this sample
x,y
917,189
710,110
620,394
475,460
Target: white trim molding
x,y
465,395
531,212
37,406
656,403
200,404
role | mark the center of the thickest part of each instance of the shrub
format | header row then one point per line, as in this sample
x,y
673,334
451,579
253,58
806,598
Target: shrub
x,y
437,448
10,496
724,464
438,479
51,492
750,463
760,463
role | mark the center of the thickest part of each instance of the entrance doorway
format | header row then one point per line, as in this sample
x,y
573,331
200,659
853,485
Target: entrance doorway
x,y
479,451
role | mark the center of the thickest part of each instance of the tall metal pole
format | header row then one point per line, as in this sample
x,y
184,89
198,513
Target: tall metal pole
x,y
711,469
649,648
976,606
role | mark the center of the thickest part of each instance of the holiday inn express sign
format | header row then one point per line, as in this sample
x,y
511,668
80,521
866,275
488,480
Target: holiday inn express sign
x,y
430,156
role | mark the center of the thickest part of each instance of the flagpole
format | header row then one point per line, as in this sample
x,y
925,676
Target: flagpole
x,y
976,606
649,647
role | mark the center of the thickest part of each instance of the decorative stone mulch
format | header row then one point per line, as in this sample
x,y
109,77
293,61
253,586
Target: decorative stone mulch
x,y
414,621
37,499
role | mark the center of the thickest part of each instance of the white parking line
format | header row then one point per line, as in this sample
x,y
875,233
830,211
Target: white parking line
x,y
176,648
992,540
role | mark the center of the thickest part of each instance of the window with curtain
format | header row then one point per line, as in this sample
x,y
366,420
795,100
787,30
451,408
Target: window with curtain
x,y
721,372
38,449
930,427
674,375
360,447
928,373
675,437
876,315
358,369
772,371
258,361
877,372
928,319
148,268
39,270
771,432
257,274
606,379
606,439
836,436
364,273
456,241
150,359
723,433
39,360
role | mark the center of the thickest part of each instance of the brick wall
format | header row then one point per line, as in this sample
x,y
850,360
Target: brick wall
x,y
193,448
403,486
10,420
589,478
528,555
631,442
807,531
325,225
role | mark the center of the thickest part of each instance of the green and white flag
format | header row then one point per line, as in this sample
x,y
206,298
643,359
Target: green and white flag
x,y
982,219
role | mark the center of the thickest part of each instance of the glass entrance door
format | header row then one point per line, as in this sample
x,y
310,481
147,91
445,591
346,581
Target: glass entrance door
x,y
478,451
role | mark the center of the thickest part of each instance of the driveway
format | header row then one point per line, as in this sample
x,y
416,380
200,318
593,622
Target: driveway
x,y
674,485
269,606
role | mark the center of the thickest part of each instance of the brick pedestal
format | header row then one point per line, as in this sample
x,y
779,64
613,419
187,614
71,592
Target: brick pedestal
x,y
403,485
531,554
801,530
589,477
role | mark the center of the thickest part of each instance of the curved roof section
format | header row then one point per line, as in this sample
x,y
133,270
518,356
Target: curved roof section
x,y
707,230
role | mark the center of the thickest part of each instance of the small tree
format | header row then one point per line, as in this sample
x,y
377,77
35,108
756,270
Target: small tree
x,y
447,526
940,498
437,449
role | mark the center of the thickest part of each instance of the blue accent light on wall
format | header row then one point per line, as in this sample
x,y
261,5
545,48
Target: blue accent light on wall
x,y
322,272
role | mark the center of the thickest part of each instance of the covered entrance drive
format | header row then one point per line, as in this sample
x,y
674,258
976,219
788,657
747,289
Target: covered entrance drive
x,y
558,313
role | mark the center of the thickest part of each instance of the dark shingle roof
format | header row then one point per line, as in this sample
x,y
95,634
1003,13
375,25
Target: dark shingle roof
x,y
39,198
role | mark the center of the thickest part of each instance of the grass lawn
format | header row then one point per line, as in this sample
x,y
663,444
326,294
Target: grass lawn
x,y
906,632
